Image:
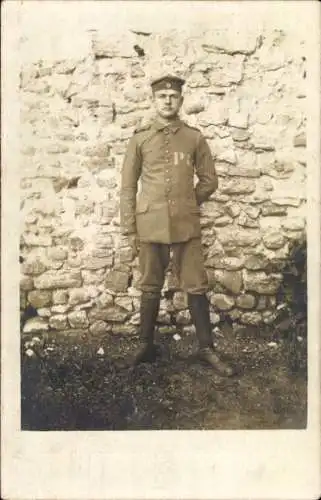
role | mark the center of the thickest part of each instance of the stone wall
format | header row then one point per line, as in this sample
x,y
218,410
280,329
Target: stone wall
x,y
245,91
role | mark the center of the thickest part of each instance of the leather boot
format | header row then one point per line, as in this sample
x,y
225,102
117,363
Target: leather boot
x,y
199,309
149,308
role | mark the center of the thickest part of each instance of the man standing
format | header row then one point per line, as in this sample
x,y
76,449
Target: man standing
x,y
164,156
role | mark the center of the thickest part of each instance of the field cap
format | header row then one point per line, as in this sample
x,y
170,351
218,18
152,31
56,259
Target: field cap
x,y
168,82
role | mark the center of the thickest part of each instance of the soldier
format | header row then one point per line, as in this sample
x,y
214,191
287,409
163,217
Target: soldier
x,y
164,155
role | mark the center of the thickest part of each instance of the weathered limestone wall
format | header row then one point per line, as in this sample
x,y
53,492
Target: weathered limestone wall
x,y
246,93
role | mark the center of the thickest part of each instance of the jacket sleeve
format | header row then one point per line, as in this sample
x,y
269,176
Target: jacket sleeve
x,y
129,178
205,171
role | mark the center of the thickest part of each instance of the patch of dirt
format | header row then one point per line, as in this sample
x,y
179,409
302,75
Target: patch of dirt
x,y
67,385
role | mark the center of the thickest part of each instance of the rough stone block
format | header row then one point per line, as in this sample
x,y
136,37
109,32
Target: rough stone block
x,y
44,312
65,67
93,263
237,186
294,235
228,263
226,69
58,322
183,317
222,301
36,325
163,317
57,148
269,317
233,209
271,209
99,328
231,280
126,254
26,283
197,79
273,240
223,221
117,281
124,329
39,298
216,114
241,171
214,318
107,178
256,262
103,48
227,156
293,223
251,318
252,212
56,253
289,201
234,314
60,297
117,67
78,296
78,319
124,302
239,237
246,221
220,40
262,302
262,283
58,279
60,308
180,300
104,300
33,240
104,241
194,107
246,301
33,266
114,314
238,119
135,319
240,134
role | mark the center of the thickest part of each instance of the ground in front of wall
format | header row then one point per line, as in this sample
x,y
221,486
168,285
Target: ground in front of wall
x,y
70,384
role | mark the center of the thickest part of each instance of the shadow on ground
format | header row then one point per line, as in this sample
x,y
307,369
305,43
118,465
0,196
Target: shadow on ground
x,y
67,385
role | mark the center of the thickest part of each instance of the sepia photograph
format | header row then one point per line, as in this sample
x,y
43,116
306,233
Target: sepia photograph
x,y
162,184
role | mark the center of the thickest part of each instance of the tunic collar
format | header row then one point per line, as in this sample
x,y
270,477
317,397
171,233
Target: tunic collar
x,y
173,126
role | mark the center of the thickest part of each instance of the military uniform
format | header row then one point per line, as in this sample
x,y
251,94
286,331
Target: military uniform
x,y
164,159
160,203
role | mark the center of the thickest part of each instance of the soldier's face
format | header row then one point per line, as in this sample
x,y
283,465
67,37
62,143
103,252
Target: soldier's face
x,y
167,102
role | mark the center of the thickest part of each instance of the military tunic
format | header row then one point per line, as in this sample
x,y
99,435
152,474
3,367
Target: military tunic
x,y
160,201
164,159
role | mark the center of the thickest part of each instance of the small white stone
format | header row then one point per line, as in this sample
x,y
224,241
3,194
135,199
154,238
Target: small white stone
x,y
218,332
177,337
272,344
30,353
100,351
